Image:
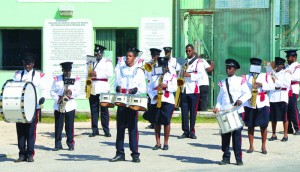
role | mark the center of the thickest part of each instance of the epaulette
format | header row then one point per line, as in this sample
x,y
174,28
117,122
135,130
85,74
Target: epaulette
x,y
77,78
120,59
288,71
42,75
243,79
17,72
140,60
55,78
220,83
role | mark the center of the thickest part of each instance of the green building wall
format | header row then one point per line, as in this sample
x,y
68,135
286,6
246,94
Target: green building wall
x,y
117,14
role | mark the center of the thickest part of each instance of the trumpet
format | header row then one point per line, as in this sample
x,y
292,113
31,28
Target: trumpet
x,y
148,66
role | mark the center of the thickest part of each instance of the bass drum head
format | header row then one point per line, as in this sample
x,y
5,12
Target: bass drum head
x,y
29,101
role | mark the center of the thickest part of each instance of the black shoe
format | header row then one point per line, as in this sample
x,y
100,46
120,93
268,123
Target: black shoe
x,y
250,151
71,148
117,158
20,159
166,147
285,139
224,162
183,136
136,159
264,152
193,136
30,159
297,133
156,147
273,138
239,163
93,134
151,126
107,135
57,149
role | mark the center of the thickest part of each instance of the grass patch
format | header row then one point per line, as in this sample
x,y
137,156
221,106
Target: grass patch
x,y
85,117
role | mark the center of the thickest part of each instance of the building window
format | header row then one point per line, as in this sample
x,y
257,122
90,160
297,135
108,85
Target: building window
x,y
13,42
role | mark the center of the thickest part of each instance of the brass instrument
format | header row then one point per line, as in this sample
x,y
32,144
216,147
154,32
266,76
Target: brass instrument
x,y
148,66
254,92
65,98
159,92
180,83
88,82
271,68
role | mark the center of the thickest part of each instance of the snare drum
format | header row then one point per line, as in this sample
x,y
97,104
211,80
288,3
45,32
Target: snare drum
x,y
121,100
18,101
107,100
230,121
138,103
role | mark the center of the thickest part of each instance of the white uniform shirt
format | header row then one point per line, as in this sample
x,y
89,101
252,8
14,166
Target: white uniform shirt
x,y
267,85
170,80
38,81
204,80
196,70
238,90
104,70
173,64
131,77
58,89
283,81
295,69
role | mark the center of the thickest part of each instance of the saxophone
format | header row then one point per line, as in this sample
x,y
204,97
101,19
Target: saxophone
x,y
254,92
64,100
180,83
88,82
159,92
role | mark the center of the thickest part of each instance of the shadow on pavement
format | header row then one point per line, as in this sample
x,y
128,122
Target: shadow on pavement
x,y
126,145
208,146
42,147
4,158
196,160
68,157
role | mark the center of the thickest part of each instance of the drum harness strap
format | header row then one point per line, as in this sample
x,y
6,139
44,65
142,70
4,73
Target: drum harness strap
x,y
22,74
227,86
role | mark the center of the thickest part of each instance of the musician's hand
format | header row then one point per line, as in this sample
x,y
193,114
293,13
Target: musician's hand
x,y
162,85
42,100
215,110
187,74
133,90
68,92
155,97
59,101
118,89
92,74
273,79
238,103
258,84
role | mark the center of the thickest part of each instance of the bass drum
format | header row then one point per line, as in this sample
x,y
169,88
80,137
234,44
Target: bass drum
x,y
18,101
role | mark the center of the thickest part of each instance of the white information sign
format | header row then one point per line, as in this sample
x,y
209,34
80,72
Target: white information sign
x,y
155,33
67,40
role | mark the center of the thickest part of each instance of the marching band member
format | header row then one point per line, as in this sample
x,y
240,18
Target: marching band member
x,y
130,80
233,92
204,83
26,132
162,115
293,112
279,98
102,71
190,95
172,62
257,108
64,89
155,53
